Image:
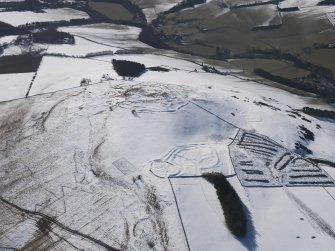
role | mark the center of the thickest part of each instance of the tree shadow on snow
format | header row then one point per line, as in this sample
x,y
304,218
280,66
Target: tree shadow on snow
x,y
249,240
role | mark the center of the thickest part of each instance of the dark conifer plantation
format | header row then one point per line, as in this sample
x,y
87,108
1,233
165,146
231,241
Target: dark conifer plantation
x,y
52,36
127,68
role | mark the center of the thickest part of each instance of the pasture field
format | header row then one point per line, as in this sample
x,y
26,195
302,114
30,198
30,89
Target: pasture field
x,y
111,10
17,18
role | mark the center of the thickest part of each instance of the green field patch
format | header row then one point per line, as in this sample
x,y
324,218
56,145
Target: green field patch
x,y
277,67
112,11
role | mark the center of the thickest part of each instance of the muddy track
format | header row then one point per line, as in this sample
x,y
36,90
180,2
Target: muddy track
x,y
59,224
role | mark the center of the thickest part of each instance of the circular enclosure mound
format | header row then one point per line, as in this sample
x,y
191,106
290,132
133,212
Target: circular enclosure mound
x,y
152,97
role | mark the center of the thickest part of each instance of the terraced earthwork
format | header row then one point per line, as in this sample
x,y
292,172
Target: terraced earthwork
x,y
260,161
149,97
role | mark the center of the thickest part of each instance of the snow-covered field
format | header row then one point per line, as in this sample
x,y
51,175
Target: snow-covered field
x,y
17,18
120,129
92,161
70,71
118,36
15,85
293,218
7,39
120,143
57,73
284,217
202,215
298,3
81,48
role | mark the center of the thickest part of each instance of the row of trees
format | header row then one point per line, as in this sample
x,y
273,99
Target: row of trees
x,y
152,37
183,5
319,112
311,83
63,23
279,55
52,36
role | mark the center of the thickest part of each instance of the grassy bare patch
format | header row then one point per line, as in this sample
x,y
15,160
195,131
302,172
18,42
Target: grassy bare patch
x,y
111,10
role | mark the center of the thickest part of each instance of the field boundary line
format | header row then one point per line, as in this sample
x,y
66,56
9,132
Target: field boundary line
x,y
181,220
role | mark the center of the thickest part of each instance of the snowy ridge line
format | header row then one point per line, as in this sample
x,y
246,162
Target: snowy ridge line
x,y
215,115
181,221
231,73
75,87
50,219
38,94
48,93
